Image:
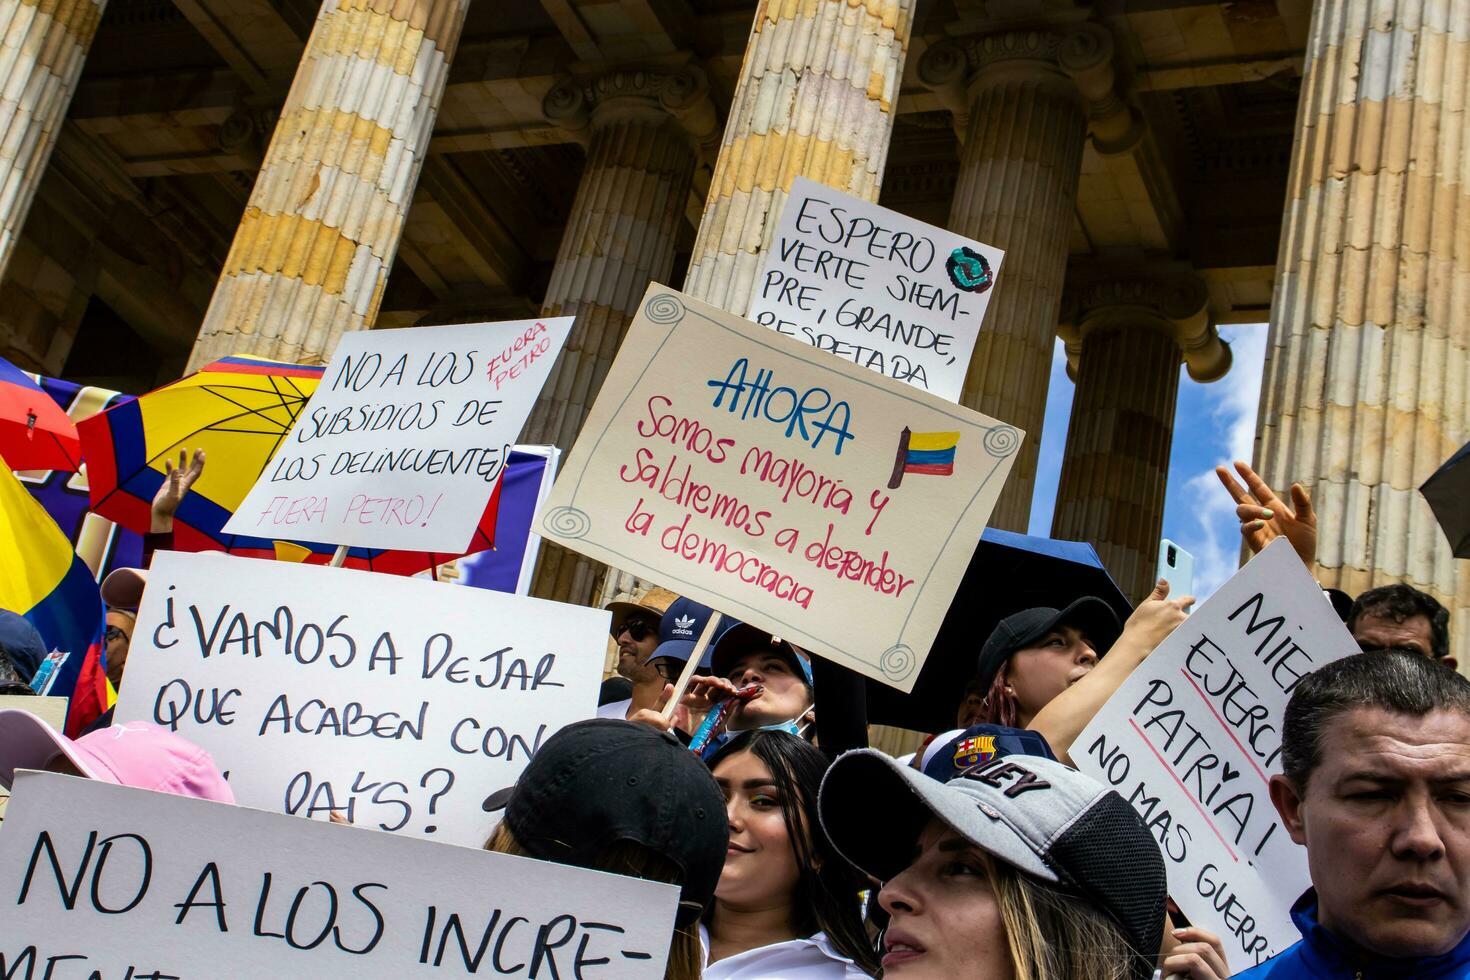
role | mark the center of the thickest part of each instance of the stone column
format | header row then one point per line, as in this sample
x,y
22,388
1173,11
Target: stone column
x,y
816,97
1368,364
1124,344
45,43
642,128
1026,100
312,253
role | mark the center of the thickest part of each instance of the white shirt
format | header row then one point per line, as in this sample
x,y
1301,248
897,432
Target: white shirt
x,y
617,709
812,958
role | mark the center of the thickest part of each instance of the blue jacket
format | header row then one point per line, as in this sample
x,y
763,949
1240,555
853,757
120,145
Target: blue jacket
x,y
1322,956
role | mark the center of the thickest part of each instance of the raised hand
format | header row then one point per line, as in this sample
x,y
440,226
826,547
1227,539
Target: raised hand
x,y
1156,617
176,483
1264,516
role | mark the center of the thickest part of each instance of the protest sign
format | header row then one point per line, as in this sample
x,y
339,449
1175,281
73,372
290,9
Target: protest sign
x,y
50,710
787,488
1192,736
402,442
875,287
98,880
396,703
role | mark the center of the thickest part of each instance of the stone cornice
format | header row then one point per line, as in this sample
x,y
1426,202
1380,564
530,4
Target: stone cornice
x,y
582,102
1169,300
1075,60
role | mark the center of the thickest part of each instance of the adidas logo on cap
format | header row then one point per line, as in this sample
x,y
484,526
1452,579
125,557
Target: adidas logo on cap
x,y
684,624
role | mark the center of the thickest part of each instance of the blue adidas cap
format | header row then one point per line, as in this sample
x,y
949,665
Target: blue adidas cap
x,y
680,628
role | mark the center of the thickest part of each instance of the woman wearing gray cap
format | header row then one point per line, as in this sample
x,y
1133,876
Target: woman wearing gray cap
x,y
1018,868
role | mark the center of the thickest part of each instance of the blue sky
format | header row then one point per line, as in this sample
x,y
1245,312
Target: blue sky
x,y
1214,423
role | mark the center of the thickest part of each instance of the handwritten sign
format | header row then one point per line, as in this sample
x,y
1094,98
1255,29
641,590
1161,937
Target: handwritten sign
x,y
1192,736
875,287
787,488
398,704
107,881
401,444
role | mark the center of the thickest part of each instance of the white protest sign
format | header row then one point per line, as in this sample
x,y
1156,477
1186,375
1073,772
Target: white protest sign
x,y
875,287
817,500
397,703
1193,735
98,880
402,442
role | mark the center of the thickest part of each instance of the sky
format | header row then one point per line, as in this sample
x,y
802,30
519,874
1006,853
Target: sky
x,y
1214,423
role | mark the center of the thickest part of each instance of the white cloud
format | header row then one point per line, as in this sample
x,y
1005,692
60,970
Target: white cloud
x,y
1225,430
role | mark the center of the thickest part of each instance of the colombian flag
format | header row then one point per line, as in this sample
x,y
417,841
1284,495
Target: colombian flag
x,y
42,578
924,452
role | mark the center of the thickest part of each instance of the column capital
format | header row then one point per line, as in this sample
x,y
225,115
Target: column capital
x,y
1076,60
586,100
1170,300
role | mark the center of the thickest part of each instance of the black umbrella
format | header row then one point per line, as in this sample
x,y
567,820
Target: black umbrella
x,y
1008,572
1448,493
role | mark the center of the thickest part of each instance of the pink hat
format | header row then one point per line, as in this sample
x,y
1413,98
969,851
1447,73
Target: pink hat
x,y
133,754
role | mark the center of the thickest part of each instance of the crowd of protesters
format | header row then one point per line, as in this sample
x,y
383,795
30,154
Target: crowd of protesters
x,y
801,853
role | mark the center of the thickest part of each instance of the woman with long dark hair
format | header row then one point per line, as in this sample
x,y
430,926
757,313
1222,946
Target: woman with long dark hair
x,y
786,905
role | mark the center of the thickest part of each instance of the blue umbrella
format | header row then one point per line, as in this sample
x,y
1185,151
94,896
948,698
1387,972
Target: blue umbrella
x,y
1448,493
1008,572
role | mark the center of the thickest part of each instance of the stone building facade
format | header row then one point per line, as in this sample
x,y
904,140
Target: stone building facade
x,y
188,178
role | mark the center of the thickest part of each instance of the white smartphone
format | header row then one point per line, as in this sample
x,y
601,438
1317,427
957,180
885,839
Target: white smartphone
x,y
1176,566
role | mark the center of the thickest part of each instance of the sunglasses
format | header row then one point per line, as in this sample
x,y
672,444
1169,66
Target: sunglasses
x,y
637,629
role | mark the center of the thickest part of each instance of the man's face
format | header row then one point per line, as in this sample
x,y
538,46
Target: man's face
x,y
1381,632
1386,822
637,636
117,637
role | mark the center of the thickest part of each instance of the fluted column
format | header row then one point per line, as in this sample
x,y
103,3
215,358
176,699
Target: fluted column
x,y
642,128
1125,342
312,253
1026,100
45,44
1368,365
816,98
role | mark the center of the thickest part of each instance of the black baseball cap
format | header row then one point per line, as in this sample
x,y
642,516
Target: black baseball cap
x,y
1089,614
601,781
1035,814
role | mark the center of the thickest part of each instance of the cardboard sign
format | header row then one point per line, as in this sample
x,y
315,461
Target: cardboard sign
x,y
50,710
106,881
814,499
399,704
1193,735
401,444
876,288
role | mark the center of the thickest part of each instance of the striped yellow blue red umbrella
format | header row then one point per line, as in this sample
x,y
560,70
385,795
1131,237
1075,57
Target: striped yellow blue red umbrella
x,y
35,434
237,409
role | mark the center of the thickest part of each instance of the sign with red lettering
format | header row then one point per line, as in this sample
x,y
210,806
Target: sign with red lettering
x,y
401,444
875,287
1192,736
106,881
789,489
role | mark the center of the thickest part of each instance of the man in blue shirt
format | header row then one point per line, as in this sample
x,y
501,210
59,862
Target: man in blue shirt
x,y
1376,785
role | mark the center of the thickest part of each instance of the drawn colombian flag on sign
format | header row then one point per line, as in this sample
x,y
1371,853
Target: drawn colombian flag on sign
x,y
924,452
44,580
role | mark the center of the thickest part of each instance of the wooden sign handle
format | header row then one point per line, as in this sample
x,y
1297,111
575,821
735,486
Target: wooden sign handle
x,y
692,664
339,557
